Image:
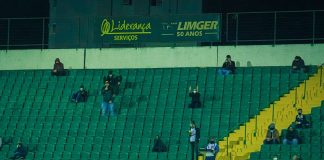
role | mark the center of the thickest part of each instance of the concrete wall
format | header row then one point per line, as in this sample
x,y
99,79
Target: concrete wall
x,y
251,55
40,59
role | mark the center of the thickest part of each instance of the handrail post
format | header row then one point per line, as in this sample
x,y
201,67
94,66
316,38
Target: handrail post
x,y
313,36
43,34
236,28
305,89
321,75
273,110
275,29
8,34
227,27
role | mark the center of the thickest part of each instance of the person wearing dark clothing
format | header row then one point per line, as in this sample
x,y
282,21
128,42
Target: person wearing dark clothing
x,y
58,68
109,78
113,81
301,121
195,98
20,152
298,65
107,105
80,96
291,136
228,67
272,135
159,146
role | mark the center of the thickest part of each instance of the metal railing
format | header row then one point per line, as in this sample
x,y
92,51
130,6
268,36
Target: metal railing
x,y
23,33
275,27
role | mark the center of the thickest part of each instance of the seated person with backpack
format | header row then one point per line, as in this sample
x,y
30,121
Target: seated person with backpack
x,y
159,146
80,96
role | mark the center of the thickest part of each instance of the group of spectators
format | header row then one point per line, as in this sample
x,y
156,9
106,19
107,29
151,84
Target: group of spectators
x,y
291,136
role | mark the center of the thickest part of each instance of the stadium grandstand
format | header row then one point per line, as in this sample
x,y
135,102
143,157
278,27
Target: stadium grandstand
x,y
161,80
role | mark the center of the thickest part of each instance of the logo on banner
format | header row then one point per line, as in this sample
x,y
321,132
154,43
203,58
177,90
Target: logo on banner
x,y
123,30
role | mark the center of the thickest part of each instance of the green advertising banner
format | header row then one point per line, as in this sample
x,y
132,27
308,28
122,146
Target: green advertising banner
x,y
176,28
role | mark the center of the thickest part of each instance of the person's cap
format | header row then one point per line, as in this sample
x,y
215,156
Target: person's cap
x,y
110,72
82,86
228,56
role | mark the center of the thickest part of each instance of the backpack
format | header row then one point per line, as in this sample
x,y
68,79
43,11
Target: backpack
x,y
197,134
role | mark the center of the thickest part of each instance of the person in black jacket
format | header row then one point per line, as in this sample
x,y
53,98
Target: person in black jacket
x,y
58,68
159,146
291,136
107,105
114,81
301,121
20,152
195,98
298,65
228,66
80,96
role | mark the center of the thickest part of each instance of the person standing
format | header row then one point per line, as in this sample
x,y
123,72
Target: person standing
x,y
107,105
192,139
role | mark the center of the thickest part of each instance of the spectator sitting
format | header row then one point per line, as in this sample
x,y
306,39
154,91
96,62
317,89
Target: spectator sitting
x,y
20,152
58,69
159,146
272,135
228,66
301,121
195,98
298,65
107,105
291,136
80,96
212,149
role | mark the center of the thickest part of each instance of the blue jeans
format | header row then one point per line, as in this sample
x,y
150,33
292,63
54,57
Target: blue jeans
x,y
107,109
293,141
224,72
